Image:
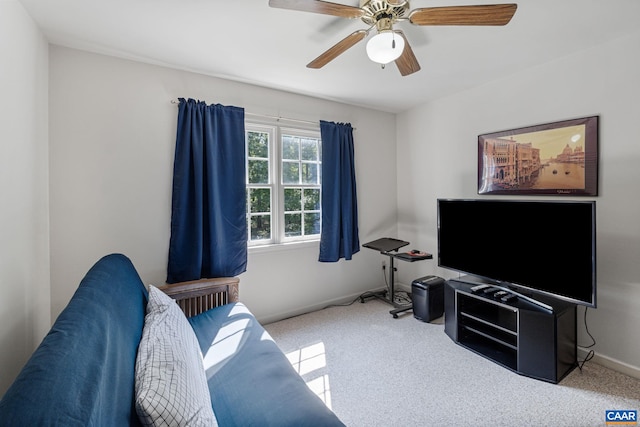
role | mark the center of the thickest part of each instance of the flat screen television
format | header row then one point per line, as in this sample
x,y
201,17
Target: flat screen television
x,y
546,247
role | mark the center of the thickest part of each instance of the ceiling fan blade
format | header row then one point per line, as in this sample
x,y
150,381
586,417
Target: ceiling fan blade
x,y
491,14
337,49
319,6
407,62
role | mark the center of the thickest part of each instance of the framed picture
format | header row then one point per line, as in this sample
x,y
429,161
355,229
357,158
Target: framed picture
x,y
558,158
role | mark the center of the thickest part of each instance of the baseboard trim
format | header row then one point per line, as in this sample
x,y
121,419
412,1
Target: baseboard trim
x,y
611,363
314,307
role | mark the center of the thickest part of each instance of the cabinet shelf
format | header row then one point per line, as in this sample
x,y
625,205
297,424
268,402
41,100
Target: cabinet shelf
x,y
505,356
519,336
489,324
490,337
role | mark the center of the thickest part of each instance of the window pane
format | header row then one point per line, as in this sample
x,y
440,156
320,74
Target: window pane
x,y
258,144
259,200
288,205
292,225
292,199
290,173
258,171
309,149
309,173
311,223
290,148
311,199
260,227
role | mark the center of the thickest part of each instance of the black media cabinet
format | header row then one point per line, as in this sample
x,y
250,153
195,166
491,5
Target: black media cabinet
x,y
519,335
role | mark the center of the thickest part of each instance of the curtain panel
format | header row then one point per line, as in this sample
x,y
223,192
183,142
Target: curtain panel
x,y
339,233
208,208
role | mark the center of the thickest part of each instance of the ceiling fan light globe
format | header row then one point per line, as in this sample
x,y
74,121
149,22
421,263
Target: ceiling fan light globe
x,y
385,47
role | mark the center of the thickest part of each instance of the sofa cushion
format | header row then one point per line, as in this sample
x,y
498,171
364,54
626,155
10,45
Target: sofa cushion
x,y
171,388
82,374
250,379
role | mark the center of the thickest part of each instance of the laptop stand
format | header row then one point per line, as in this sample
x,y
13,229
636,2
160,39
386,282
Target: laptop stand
x,y
389,247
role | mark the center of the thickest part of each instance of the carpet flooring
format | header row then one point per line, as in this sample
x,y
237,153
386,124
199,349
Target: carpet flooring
x,y
374,370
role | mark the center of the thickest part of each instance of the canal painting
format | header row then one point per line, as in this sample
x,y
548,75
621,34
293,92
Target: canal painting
x,y
552,159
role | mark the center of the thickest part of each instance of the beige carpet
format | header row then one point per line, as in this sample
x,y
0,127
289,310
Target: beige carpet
x,y
374,370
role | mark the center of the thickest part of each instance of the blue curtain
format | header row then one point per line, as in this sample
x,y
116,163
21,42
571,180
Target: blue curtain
x,y
208,209
339,234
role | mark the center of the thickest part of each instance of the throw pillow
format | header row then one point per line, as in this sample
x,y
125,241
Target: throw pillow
x,y
170,381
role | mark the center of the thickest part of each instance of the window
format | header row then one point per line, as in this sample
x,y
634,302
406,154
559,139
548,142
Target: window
x,y
283,184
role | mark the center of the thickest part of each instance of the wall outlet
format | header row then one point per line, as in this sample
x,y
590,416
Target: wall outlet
x,y
384,264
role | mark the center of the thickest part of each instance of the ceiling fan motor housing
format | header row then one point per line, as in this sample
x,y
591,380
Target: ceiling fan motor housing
x,y
382,13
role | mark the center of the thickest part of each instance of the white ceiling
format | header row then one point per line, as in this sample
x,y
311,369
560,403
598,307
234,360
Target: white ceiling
x,y
247,41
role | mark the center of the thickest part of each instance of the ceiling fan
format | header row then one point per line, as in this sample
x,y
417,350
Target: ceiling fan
x,y
389,44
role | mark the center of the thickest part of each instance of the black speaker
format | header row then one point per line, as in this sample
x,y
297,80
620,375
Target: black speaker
x,y
427,295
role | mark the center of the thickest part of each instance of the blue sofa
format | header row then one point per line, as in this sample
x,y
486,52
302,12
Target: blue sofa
x,y
82,374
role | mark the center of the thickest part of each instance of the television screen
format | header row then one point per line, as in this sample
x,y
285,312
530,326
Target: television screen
x,y
543,246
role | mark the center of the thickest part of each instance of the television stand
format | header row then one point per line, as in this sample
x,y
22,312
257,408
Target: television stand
x,y
511,291
520,335
389,247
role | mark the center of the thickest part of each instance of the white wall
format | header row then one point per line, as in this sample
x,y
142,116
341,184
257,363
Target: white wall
x,y
112,137
437,142
24,257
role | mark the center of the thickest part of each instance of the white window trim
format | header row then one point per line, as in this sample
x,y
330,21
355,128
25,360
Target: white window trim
x,y
278,239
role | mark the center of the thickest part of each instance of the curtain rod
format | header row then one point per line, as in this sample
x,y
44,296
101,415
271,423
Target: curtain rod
x,y
267,116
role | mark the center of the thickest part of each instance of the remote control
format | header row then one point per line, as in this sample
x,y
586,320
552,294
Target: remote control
x,y
500,294
478,288
508,298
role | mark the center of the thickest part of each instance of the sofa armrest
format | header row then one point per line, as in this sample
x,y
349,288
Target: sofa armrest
x,y
197,296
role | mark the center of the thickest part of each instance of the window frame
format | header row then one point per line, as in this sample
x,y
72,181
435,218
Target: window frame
x,y
275,134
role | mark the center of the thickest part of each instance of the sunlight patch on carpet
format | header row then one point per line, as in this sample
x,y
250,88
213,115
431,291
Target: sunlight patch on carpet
x,y
308,361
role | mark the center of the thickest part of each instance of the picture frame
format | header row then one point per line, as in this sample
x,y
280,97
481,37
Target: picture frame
x,y
559,158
